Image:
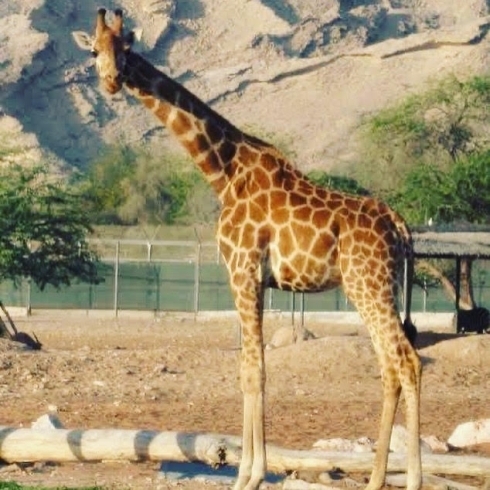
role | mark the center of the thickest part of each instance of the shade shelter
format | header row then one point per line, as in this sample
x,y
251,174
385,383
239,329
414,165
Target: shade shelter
x,y
457,245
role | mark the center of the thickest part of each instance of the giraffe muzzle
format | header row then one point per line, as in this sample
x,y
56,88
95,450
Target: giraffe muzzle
x,y
113,84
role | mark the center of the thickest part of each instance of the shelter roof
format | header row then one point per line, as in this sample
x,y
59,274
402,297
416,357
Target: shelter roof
x,y
452,244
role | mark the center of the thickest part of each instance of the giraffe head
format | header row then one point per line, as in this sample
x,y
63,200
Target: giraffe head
x,y
109,46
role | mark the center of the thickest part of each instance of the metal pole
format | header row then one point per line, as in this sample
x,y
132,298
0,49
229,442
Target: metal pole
x,y
293,307
197,272
481,283
90,296
458,281
149,249
302,308
405,284
28,299
29,282
157,292
116,280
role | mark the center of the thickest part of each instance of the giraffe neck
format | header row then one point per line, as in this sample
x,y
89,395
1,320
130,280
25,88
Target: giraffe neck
x,y
209,138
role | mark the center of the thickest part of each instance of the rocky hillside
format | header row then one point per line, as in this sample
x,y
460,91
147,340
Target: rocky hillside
x,y
306,70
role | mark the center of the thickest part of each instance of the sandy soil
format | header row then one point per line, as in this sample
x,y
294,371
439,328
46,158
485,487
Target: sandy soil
x,y
175,374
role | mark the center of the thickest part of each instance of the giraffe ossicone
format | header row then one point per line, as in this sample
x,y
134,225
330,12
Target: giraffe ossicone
x,y
277,229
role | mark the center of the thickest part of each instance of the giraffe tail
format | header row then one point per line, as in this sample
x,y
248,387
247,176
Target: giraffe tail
x,y
408,273
406,240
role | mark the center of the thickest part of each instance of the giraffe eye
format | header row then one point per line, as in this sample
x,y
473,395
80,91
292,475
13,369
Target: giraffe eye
x,y
94,53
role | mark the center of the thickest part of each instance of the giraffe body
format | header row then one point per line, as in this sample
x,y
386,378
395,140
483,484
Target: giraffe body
x,y
277,229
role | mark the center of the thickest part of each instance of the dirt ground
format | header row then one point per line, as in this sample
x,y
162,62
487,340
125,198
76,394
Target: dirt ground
x,y
176,374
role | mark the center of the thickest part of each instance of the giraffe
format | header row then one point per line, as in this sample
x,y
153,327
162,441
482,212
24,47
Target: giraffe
x,y
276,229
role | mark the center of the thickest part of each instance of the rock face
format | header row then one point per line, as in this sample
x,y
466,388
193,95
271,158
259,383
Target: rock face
x,y
307,70
18,51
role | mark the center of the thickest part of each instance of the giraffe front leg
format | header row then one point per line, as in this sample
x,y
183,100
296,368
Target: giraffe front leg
x,y
245,470
253,463
248,299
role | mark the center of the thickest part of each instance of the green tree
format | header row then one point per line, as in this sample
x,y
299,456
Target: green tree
x,y
337,182
159,190
429,157
105,185
127,186
461,193
43,230
470,178
448,122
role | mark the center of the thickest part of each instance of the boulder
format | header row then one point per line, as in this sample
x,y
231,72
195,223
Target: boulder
x,y
48,421
287,336
399,441
471,433
362,445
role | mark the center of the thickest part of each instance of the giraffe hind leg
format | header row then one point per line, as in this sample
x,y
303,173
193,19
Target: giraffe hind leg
x,y
410,378
401,371
391,396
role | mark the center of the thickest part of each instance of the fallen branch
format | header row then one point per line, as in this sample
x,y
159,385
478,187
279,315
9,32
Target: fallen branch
x,y
63,445
22,337
429,482
279,459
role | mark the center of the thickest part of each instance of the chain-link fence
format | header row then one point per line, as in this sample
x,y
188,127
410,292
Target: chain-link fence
x,y
189,276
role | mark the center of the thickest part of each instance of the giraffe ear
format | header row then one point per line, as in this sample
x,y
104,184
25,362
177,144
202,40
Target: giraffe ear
x,y
128,40
83,40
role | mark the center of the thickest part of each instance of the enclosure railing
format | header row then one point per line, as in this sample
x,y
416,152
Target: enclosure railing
x,y
190,276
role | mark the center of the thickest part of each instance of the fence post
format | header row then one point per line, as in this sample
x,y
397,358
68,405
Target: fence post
x,y
28,298
271,302
293,307
458,282
302,308
90,296
197,273
116,280
481,283
29,284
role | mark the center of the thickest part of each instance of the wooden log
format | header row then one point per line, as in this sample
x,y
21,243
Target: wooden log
x,y
63,445
429,482
279,460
